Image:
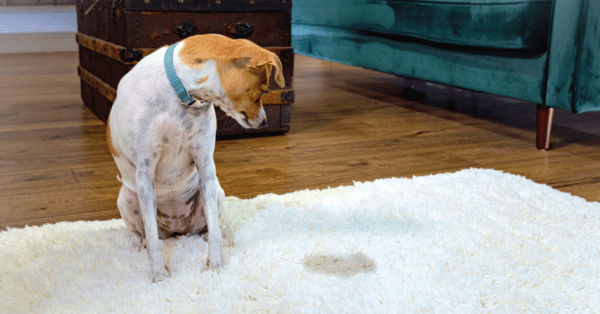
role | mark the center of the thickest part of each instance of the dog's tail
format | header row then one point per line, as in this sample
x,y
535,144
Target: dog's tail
x,y
125,184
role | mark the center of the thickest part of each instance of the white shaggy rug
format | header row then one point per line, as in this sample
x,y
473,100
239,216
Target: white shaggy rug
x,y
474,241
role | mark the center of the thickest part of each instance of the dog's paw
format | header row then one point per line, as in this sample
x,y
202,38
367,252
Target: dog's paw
x,y
160,275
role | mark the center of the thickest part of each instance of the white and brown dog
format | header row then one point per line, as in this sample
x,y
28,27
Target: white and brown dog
x,y
163,146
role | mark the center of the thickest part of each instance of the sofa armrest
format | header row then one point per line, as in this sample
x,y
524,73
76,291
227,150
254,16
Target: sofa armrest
x,y
574,56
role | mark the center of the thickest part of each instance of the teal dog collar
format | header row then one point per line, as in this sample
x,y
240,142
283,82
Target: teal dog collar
x,y
184,96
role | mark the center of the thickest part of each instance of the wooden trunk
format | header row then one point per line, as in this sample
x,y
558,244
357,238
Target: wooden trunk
x,y
113,35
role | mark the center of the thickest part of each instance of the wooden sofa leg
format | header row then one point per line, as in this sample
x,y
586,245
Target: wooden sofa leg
x,y
545,115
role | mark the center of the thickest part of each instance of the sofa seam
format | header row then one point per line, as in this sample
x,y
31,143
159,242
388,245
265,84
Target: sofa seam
x,y
580,38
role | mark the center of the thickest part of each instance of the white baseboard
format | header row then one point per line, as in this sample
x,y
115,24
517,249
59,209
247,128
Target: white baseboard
x,y
37,42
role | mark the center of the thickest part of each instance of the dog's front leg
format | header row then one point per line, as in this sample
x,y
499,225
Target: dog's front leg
x,y
147,199
208,196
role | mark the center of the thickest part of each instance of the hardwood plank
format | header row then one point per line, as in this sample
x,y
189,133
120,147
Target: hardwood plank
x,y
55,179
55,206
33,64
348,124
36,183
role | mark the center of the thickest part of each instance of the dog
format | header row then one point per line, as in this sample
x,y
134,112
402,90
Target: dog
x,y
163,140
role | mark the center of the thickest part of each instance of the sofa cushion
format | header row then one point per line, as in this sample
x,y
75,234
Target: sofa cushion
x,y
506,24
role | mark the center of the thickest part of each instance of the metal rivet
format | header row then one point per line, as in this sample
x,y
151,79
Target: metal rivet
x,y
283,2
217,2
180,1
251,2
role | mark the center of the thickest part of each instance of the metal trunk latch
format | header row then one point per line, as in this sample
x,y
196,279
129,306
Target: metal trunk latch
x,y
130,55
288,97
184,30
241,29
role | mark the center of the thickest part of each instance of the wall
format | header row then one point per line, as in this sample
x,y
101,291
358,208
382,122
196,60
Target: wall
x,y
37,26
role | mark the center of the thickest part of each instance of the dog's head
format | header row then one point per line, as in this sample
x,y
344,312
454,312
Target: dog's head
x,y
244,70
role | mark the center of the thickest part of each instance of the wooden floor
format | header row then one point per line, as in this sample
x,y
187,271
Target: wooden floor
x,y
348,124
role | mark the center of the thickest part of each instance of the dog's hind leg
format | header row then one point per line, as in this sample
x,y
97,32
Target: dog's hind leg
x,y
129,207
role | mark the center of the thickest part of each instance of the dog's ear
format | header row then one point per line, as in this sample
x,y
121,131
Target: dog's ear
x,y
242,62
272,61
260,57
275,62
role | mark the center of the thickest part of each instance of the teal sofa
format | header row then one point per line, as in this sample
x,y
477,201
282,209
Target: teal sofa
x,y
542,51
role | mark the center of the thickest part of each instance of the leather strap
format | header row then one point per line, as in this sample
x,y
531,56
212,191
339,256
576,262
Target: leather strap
x,y
184,96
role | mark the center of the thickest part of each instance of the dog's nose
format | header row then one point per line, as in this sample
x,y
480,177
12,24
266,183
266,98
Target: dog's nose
x,y
263,124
